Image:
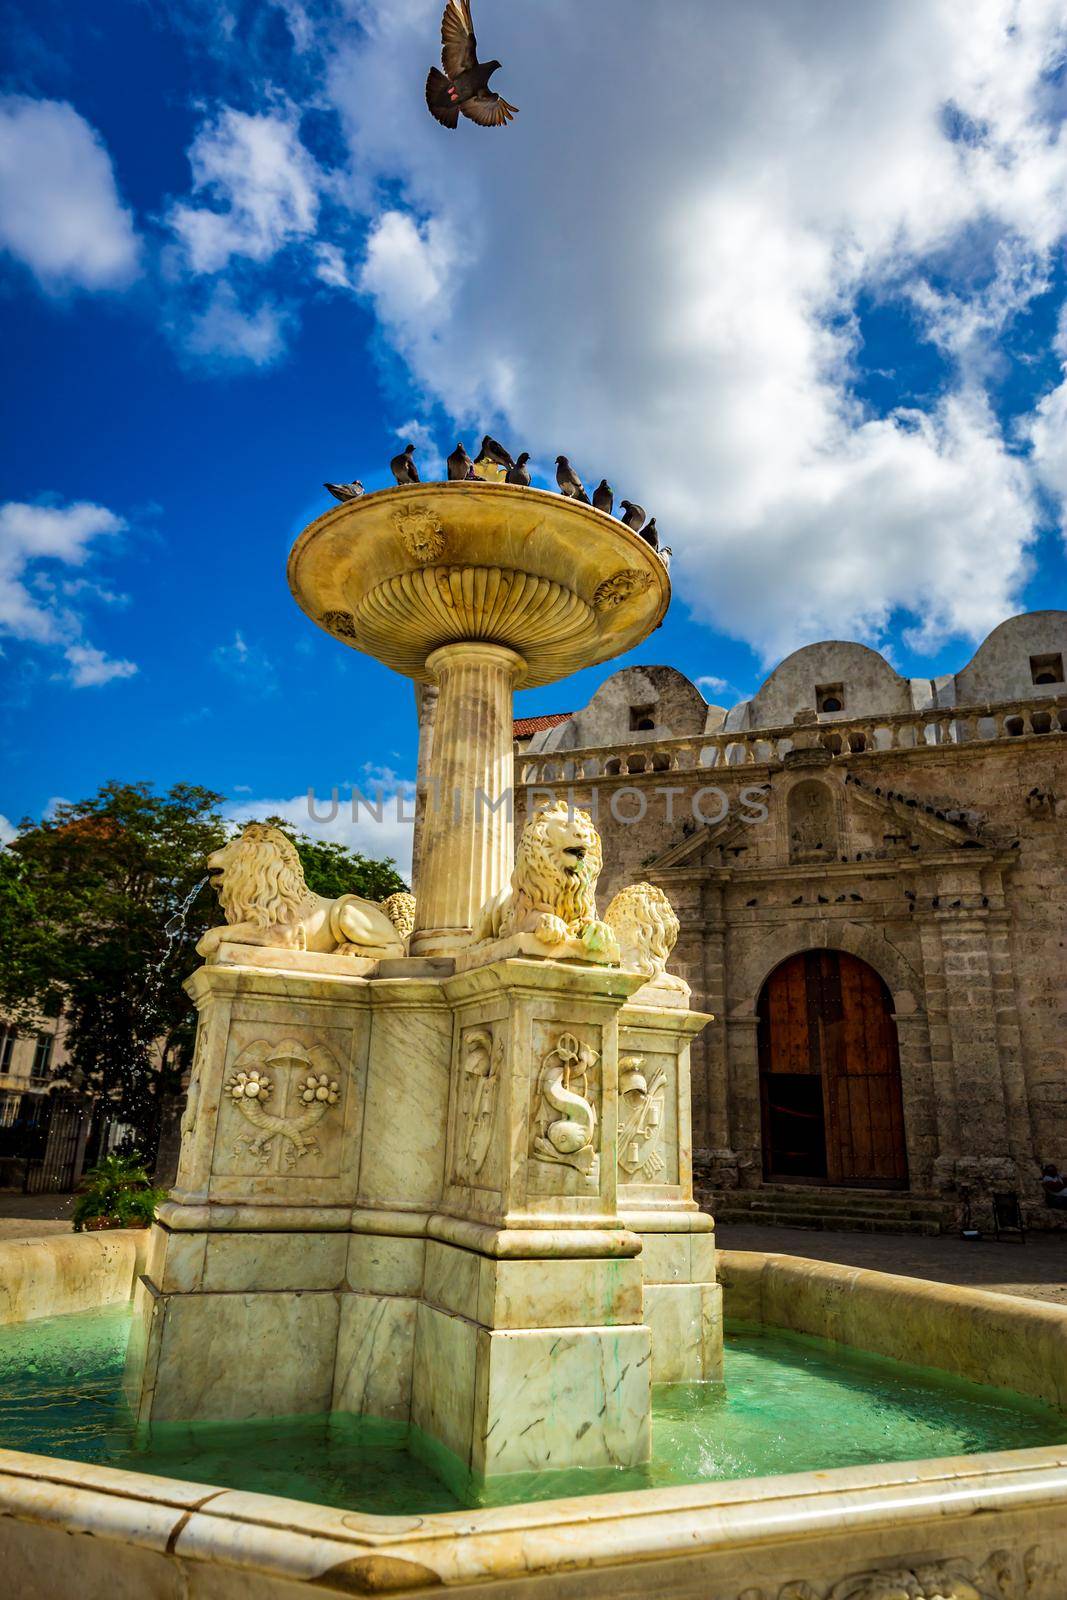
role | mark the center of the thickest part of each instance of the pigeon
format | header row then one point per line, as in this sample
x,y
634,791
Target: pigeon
x,y
635,515
494,454
603,498
403,468
464,84
520,472
752,902
459,464
821,898
345,491
569,482
665,553
799,901
650,533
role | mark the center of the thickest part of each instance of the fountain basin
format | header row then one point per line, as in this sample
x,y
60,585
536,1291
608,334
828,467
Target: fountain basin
x,y
991,1525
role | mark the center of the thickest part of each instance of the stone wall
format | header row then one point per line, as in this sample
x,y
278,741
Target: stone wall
x,y
944,869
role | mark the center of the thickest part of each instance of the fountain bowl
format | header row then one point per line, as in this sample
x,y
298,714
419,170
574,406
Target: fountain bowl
x,y
400,573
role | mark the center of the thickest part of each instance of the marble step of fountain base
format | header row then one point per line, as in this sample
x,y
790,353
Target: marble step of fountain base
x,y
844,1210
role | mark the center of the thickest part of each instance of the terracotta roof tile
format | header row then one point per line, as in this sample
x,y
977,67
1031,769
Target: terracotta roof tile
x,y
525,726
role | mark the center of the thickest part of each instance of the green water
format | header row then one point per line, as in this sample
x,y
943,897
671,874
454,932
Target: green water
x,y
789,1404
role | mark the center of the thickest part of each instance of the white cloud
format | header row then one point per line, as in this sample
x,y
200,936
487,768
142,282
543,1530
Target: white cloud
x,y
713,684
407,269
8,831
1046,430
331,267
36,609
671,298
89,667
60,211
261,182
247,664
223,333
380,828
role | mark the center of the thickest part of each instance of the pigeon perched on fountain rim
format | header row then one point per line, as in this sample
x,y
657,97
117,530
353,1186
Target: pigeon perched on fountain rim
x,y
519,474
403,468
635,515
345,491
459,464
569,482
463,86
603,496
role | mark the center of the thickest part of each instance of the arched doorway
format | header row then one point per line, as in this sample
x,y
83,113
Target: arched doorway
x,y
831,1103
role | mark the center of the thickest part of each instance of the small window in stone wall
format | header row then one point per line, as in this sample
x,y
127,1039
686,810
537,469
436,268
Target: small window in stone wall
x,y
642,719
829,697
1046,669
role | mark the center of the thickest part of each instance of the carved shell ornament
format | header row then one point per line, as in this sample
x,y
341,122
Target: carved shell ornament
x,y
620,587
420,533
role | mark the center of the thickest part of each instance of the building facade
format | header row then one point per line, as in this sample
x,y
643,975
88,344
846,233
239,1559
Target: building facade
x,y
871,877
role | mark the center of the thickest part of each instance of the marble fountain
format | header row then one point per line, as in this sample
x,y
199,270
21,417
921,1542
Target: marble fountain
x,y
435,1176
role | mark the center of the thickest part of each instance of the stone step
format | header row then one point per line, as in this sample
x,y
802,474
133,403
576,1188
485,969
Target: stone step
x,y
830,1221
873,1208
835,1209
881,1201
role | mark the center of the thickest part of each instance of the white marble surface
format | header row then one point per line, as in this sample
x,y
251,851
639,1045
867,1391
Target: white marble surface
x,y
233,1356
574,1397
403,1148
385,1264
443,1380
686,1323
375,1352
244,1261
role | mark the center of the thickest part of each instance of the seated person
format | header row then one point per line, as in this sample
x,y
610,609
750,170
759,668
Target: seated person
x,y
1055,1186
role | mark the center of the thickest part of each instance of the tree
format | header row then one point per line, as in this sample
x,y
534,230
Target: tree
x,y
101,908
332,869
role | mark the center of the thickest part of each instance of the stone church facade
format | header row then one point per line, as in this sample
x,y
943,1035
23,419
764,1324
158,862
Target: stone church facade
x,y
871,877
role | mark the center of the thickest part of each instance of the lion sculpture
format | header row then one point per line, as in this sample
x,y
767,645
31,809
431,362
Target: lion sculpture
x,y
552,893
646,927
266,901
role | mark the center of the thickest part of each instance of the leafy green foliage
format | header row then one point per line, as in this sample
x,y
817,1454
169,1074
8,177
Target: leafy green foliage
x,y
332,870
120,1190
101,909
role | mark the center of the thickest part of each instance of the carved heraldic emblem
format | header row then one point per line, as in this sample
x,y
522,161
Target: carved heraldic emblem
x,y
249,1088
641,1133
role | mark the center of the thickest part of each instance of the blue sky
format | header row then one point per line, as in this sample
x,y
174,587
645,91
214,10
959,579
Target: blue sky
x,y
806,302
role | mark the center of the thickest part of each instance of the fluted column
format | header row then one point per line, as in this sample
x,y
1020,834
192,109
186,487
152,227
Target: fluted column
x,y
468,824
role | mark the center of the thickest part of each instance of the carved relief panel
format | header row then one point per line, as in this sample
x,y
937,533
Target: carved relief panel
x,y
565,1112
648,1116
476,1153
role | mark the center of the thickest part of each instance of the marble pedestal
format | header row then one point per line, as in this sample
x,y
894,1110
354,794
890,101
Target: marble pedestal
x,y
402,1193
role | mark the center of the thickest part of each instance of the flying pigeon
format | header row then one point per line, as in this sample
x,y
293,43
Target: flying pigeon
x,y
459,464
464,84
345,491
569,482
634,516
520,472
603,498
403,468
650,533
494,455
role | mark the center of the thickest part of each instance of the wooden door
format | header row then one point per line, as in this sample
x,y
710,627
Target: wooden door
x,y
830,1074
